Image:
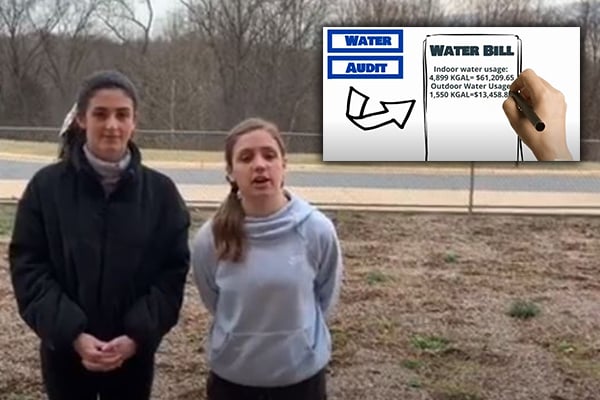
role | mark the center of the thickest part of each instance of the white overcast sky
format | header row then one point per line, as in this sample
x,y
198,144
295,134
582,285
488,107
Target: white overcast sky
x,y
161,7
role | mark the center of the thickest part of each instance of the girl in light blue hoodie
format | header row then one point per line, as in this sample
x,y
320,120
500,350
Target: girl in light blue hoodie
x,y
268,267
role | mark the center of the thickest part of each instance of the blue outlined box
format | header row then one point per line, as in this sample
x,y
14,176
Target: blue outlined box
x,y
365,67
365,41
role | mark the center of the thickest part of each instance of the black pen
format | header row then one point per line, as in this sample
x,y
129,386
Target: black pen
x,y
528,111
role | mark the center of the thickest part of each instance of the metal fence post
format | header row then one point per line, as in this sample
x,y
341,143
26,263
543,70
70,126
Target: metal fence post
x,y
471,187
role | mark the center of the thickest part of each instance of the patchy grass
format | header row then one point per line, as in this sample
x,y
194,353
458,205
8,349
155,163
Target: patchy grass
x,y
429,344
455,393
578,357
407,326
7,216
450,257
523,309
376,277
412,364
415,383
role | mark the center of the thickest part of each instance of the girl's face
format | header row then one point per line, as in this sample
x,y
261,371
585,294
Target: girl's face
x,y
109,122
258,165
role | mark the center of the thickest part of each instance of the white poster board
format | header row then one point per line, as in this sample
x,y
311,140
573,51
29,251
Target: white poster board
x,y
436,94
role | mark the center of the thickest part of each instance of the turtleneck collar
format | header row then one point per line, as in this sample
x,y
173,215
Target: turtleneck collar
x,y
110,172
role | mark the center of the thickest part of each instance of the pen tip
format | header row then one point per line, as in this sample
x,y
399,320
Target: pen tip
x,y
540,126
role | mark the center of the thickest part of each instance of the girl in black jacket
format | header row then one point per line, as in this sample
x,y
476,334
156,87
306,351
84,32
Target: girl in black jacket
x,y
99,253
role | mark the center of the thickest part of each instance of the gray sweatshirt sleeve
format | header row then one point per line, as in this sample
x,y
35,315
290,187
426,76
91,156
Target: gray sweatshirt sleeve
x,y
204,266
330,266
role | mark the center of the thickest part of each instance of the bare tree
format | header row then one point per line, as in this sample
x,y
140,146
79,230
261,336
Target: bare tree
x,y
265,56
504,12
587,17
66,49
389,13
122,20
286,67
221,61
21,49
230,29
181,88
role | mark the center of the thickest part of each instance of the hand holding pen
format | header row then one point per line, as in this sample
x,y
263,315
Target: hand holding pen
x,y
533,100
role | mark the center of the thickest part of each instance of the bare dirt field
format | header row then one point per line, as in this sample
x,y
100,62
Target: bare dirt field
x,y
441,307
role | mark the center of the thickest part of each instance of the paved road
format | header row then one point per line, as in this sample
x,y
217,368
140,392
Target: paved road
x,y
19,170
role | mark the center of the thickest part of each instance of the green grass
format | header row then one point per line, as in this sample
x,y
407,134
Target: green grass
x,y
523,309
7,216
375,277
566,347
430,344
415,384
450,257
412,364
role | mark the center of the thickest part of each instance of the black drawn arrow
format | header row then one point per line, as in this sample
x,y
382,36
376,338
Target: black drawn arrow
x,y
396,112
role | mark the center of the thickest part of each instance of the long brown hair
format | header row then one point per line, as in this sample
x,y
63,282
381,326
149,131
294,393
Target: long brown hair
x,y
228,221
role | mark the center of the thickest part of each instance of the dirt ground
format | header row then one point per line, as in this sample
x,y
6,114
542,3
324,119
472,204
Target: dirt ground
x,y
424,314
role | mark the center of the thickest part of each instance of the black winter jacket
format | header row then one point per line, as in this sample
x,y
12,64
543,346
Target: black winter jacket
x,y
81,261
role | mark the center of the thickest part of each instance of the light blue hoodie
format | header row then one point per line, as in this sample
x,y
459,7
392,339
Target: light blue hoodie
x,y
269,310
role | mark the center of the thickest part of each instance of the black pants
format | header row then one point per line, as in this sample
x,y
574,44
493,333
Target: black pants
x,y
313,388
65,378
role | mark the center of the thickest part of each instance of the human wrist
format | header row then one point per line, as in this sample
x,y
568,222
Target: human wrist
x,y
563,155
560,153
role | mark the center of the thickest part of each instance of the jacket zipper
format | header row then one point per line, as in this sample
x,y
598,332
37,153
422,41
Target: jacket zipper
x,y
103,240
